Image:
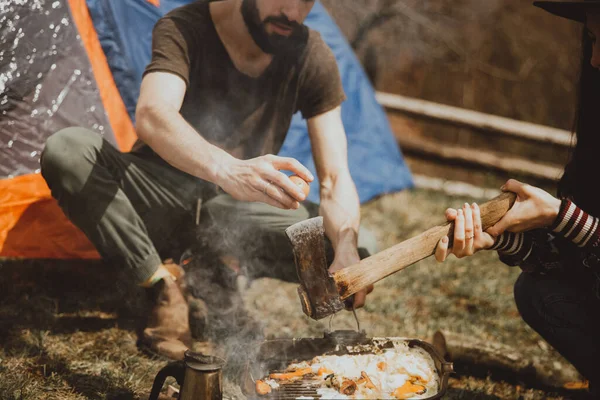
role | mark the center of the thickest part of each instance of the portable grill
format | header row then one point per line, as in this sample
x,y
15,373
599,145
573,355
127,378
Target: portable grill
x,y
275,355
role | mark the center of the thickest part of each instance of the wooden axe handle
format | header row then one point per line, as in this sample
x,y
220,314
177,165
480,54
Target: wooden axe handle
x,y
372,269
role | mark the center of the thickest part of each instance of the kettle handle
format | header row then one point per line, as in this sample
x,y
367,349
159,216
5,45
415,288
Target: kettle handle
x,y
175,369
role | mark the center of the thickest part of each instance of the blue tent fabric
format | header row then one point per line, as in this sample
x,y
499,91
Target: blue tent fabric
x,y
124,28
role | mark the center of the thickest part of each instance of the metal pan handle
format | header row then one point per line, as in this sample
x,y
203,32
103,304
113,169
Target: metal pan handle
x,y
358,330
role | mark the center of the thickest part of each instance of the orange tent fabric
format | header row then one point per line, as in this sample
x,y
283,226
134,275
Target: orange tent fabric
x,y
31,223
115,108
33,226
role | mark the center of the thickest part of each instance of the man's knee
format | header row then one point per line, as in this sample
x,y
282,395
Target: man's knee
x,y
225,212
65,159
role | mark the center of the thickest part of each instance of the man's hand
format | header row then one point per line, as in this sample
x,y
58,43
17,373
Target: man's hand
x,y
261,179
345,258
534,208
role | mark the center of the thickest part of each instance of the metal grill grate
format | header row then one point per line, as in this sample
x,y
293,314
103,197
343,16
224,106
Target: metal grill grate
x,y
291,391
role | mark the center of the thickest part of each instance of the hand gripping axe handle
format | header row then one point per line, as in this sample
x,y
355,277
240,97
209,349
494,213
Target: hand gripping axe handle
x,y
323,294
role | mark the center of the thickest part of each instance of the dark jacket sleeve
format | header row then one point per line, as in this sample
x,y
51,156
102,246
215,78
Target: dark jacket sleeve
x,y
533,251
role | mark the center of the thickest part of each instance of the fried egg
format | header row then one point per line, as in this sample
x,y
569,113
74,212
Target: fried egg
x,y
394,373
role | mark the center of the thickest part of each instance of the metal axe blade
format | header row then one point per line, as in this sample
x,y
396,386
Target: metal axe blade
x,y
318,292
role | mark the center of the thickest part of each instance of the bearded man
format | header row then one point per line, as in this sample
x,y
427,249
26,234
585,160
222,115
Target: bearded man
x,y
215,105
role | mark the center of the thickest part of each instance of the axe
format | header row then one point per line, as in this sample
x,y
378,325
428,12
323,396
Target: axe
x,y
323,294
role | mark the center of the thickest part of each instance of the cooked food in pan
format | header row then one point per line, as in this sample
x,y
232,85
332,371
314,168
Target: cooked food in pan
x,y
396,373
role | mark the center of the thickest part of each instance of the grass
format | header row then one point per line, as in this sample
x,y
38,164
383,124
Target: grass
x,y
68,329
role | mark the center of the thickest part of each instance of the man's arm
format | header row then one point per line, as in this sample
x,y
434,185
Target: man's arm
x,y
340,206
160,125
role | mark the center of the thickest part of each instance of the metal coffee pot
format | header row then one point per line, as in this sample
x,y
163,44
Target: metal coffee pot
x,y
198,376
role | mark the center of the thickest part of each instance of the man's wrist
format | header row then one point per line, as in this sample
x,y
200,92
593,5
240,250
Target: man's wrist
x,y
346,238
219,168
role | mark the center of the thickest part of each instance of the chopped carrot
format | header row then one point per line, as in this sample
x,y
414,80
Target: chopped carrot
x,y
408,390
368,383
324,371
381,365
290,375
262,388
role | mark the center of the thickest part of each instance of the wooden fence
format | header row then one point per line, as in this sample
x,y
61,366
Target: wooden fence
x,y
517,158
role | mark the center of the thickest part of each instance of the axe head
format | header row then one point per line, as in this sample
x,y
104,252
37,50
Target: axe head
x,y
318,292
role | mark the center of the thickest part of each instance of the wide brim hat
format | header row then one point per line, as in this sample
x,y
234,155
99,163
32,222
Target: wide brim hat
x,y
574,10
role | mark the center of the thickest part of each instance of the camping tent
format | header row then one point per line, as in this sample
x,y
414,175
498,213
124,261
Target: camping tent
x,y
65,63
53,74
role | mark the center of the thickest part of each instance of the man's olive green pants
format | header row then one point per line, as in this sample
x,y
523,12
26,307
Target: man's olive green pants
x,y
131,206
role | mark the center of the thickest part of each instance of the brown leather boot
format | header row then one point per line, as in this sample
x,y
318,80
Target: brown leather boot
x,y
167,334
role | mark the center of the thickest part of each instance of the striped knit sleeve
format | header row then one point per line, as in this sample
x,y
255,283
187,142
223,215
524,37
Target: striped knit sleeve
x,y
576,225
532,251
516,245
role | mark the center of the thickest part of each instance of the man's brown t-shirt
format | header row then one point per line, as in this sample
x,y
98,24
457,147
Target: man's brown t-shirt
x,y
246,116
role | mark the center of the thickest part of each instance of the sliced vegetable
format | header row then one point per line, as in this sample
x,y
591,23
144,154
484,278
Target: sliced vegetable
x,y
409,389
284,376
262,388
324,371
368,383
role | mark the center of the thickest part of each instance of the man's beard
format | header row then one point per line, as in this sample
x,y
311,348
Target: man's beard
x,y
273,43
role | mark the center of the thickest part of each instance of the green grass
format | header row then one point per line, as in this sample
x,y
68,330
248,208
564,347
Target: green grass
x,y
68,329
